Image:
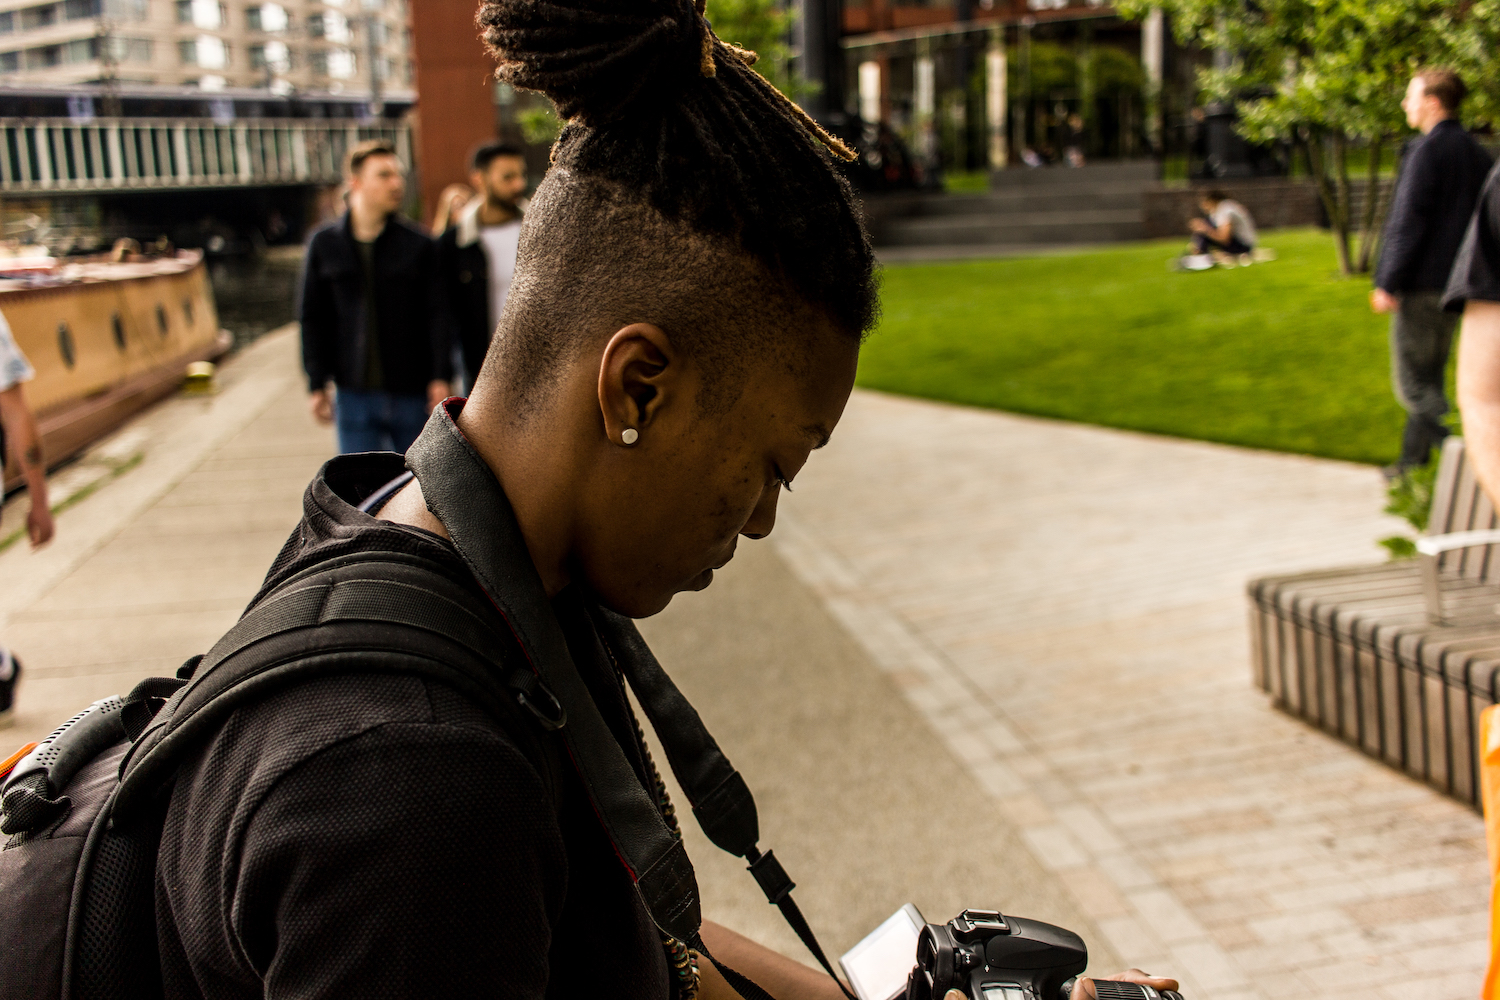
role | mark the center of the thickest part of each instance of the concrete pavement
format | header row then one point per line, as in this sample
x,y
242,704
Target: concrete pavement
x,y
983,661
1065,605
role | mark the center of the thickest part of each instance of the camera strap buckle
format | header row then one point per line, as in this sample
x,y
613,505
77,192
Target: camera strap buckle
x,y
773,879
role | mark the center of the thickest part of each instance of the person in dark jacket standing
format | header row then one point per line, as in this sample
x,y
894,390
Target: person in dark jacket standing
x,y
370,313
477,254
1435,195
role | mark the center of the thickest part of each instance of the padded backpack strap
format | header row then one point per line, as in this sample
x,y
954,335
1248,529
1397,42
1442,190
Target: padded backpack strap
x,y
377,612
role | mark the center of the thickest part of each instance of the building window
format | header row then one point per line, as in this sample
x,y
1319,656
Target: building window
x,y
44,58
341,64
126,10
268,17
330,25
138,50
38,17
274,56
81,51
7,22
78,10
205,50
202,13
10,62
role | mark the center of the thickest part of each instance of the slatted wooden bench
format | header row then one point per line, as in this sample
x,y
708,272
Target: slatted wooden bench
x,y
1396,659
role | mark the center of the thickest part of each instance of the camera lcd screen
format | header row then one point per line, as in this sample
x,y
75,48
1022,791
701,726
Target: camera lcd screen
x,y
879,965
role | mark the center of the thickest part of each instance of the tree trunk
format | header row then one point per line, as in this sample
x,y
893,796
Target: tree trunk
x,y
1369,227
1338,210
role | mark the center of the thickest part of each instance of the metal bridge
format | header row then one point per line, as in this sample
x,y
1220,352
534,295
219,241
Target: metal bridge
x,y
57,155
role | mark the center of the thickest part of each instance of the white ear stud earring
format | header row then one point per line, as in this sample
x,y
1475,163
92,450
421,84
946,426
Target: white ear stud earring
x,y
630,435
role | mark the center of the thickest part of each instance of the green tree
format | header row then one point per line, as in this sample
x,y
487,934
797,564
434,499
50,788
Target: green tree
x,y
763,27
1327,76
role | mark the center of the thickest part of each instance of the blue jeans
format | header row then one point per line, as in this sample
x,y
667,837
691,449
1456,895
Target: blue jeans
x,y
378,421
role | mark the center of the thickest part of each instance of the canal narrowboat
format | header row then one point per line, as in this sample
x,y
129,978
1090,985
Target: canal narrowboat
x,y
107,338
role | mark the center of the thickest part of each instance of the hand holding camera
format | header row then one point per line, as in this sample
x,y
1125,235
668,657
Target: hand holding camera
x,y
985,955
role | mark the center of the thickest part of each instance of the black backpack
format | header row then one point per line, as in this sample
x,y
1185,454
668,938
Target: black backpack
x,y
82,812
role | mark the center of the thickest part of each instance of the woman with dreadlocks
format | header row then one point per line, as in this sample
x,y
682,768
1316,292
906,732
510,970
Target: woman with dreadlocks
x,y
692,286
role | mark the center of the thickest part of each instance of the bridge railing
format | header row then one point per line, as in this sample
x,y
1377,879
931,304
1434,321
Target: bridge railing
x,y
48,155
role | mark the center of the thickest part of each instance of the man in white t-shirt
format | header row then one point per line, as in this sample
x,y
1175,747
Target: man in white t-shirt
x,y
23,444
477,254
1228,227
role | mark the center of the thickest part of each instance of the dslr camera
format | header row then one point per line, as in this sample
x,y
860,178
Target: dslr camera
x,y
989,956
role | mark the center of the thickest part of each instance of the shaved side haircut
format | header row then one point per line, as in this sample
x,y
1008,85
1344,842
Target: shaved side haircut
x,y
686,192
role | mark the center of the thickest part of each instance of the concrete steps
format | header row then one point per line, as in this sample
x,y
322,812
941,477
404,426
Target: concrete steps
x,y
1053,206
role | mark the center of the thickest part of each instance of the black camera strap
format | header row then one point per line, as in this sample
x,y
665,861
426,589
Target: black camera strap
x,y
462,493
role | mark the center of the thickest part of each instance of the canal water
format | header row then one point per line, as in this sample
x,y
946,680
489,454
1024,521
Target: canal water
x,y
256,293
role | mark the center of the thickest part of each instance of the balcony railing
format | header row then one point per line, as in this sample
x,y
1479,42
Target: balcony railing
x,y
48,155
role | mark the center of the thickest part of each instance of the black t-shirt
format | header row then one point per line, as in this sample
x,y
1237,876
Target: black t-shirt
x,y
374,348
1476,269
383,836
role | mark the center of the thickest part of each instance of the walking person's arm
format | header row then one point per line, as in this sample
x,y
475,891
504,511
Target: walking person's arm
x,y
439,385
1479,390
26,448
1406,226
318,319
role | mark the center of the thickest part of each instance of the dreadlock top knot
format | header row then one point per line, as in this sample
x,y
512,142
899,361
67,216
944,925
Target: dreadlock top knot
x,y
658,107
597,59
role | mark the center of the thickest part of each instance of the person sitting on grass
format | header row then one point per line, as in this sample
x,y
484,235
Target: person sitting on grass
x,y
1224,231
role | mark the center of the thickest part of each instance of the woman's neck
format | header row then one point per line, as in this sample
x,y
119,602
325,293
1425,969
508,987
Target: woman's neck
x,y
534,468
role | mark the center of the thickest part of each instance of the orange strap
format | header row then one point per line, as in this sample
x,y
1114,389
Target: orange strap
x,y
1489,782
9,764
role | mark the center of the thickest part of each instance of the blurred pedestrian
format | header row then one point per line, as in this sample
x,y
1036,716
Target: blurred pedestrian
x,y
371,323
1474,289
24,445
1439,183
477,254
1076,139
449,204
1224,228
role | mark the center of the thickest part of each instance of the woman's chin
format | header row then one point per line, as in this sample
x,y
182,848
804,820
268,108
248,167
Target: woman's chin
x,y
701,581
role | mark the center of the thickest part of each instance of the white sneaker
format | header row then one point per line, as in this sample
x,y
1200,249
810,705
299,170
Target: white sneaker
x,y
1197,262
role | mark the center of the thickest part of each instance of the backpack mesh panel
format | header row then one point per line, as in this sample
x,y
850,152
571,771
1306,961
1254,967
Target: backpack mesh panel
x,y
116,956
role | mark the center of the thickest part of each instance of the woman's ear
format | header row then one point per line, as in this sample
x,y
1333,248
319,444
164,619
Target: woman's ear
x,y
639,375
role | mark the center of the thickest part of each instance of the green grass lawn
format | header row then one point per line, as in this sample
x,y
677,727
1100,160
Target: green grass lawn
x,y
1284,355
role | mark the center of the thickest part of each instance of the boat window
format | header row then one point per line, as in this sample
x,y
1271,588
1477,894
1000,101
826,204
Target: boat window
x,y
119,329
161,319
65,344
187,310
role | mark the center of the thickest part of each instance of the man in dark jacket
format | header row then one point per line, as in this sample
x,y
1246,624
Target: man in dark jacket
x,y
371,316
477,254
1440,179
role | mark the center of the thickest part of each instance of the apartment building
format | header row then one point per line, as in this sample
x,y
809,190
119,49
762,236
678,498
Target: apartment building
x,y
284,46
